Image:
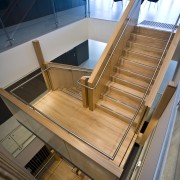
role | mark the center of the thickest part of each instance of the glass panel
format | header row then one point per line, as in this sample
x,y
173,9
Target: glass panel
x,y
5,40
25,20
68,11
32,19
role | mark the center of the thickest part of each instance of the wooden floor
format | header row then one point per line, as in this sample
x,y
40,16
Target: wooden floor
x,y
96,127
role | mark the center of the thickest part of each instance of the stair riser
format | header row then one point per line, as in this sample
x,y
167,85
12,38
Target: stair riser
x,y
128,108
118,70
126,98
137,68
146,50
140,58
148,41
152,33
129,84
114,114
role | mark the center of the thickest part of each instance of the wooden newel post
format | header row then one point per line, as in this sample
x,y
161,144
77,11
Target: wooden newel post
x,y
84,81
39,54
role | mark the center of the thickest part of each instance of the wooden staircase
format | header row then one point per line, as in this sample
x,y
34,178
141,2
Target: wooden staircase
x,y
131,76
74,92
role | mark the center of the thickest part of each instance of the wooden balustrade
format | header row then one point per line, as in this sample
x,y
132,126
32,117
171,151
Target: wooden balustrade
x,y
41,61
112,52
65,76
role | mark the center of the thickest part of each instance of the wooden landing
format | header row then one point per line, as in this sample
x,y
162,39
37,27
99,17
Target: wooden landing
x,y
96,127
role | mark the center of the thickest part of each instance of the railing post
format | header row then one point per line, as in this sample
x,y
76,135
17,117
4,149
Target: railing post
x,y
88,9
5,31
84,80
41,61
54,13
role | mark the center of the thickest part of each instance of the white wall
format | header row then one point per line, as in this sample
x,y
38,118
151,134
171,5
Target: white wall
x,y
17,62
62,40
21,60
100,30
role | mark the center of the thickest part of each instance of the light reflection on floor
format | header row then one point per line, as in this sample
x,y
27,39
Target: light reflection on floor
x,y
107,10
165,11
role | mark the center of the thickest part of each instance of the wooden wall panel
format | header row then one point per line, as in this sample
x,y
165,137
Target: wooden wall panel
x,y
65,76
61,78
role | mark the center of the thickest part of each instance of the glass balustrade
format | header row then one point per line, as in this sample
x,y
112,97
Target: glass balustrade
x,y
23,20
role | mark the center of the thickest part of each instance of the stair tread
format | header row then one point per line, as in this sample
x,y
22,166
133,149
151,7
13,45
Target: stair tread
x,y
147,37
141,54
116,109
118,102
146,49
134,56
152,32
131,79
145,52
73,92
127,89
132,73
123,98
74,89
145,64
153,36
143,46
77,88
137,68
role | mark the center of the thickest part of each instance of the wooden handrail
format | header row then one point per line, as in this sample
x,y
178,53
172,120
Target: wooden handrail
x,y
112,52
100,65
41,61
169,55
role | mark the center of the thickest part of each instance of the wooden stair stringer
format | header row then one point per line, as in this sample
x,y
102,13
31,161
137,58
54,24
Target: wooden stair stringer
x,y
131,76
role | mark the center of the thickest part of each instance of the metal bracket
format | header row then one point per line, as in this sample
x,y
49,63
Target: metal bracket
x,y
138,165
178,103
